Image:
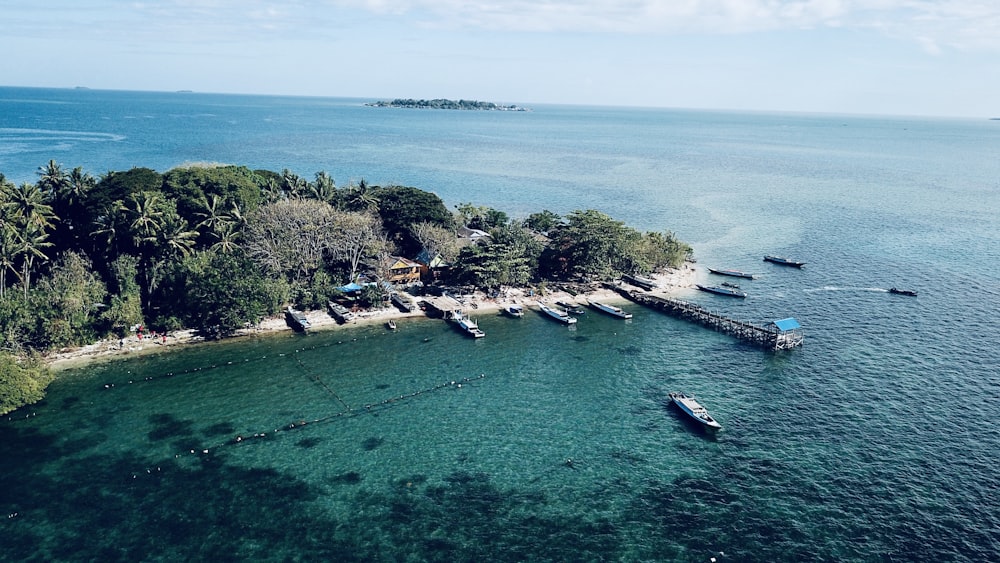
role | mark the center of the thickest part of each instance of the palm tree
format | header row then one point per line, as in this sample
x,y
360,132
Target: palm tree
x,y
28,246
52,180
362,198
29,207
228,237
214,216
293,184
145,213
324,188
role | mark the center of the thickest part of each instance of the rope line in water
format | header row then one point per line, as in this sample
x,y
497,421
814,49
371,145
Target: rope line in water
x,y
296,425
230,363
316,378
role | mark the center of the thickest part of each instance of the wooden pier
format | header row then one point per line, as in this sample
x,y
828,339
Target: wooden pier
x,y
778,335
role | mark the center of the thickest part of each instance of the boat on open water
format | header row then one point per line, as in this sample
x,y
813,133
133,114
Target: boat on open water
x,y
782,261
693,409
909,292
731,273
719,290
557,314
610,309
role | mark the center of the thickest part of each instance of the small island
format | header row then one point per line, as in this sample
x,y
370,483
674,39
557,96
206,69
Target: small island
x,y
444,104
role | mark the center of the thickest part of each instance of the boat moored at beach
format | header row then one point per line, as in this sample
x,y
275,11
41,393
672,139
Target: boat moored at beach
x,y
610,309
466,324
693,409
571,308
515,311
390,324
557,314
731,273
782,261
908,292
719,290
339,312
297,319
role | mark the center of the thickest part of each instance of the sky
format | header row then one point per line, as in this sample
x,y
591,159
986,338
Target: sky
x,y
882,57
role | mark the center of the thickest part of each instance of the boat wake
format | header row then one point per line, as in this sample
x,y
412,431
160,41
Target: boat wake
x,y
836,288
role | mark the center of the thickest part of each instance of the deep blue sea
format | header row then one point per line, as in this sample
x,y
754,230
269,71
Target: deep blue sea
x,y
875,441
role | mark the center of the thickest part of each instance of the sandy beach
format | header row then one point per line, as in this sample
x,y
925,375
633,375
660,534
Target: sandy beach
x,y
320,320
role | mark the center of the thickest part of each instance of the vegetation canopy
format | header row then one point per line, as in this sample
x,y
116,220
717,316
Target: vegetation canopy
x,y
217,248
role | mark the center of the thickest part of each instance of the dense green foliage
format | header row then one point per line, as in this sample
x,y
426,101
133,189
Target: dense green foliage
x,y
21,384
217,248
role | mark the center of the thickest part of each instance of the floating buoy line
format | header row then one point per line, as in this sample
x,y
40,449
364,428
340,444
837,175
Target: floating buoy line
x,y
369,408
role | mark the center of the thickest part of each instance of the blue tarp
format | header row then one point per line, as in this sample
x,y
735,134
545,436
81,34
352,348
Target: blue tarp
x,y
787,324
349,288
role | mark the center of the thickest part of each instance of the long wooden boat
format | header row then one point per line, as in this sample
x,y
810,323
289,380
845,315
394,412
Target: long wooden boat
x,y
782,261
732,273
610,309
339,312
556,314
297,320
693,409
718,290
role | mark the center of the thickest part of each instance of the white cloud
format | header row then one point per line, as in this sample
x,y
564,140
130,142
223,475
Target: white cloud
x,y
961,24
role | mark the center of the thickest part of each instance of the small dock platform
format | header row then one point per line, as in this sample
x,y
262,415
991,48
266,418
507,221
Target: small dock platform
x,y
783,334
442,306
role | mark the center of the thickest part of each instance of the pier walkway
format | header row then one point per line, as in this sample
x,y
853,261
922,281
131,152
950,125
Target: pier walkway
x,y
783,334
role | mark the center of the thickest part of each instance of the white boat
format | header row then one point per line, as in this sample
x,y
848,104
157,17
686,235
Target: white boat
x,y
556,314
514,310
391,324
610,309
694,410
467,325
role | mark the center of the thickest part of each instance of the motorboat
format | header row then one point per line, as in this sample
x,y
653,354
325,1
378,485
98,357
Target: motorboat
x,y
514,310
909,292
693,409
732,273
557,314
719,290
467,325
782,261
610,309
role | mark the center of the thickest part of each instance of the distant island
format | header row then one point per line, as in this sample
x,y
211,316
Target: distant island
x,y
445,104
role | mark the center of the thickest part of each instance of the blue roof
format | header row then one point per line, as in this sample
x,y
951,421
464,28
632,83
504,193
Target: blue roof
x,y
787,324
350,287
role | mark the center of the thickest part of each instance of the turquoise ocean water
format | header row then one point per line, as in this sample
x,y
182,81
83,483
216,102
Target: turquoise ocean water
x,y
875,441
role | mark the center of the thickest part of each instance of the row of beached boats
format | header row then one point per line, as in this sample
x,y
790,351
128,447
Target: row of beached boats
x,y
564,311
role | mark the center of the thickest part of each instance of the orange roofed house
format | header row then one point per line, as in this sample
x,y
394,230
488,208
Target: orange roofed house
x,y
403,271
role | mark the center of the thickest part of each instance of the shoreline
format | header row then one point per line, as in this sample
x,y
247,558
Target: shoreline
x,y
320,320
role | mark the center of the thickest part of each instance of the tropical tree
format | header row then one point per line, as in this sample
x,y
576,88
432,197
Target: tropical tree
x,y
435,240
224,293
356,236
75,294
31,218
362,197
590,245
323,188
508,258
291,237
52,180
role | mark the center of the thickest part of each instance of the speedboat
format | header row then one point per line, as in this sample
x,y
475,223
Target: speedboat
x,y
610,309
514,310
570,308
391,324
467,325
556,314
781,260
909,292
693,409
718,290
